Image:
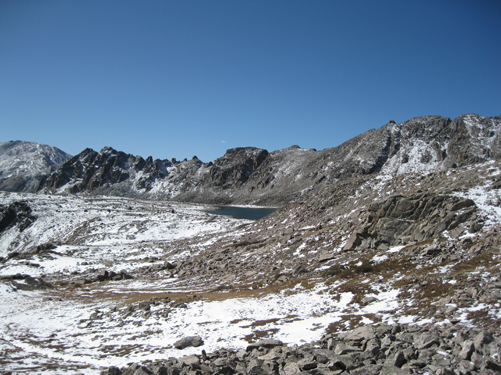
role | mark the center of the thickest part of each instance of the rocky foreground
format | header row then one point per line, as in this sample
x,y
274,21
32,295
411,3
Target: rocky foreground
x,y
369,350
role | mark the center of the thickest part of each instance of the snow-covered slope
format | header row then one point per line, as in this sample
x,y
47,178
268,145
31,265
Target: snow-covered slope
x,y
23,164
433,143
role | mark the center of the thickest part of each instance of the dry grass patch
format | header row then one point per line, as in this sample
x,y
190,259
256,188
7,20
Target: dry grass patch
x,y
259,335
484,259
484,320
261,323
364,267
349,322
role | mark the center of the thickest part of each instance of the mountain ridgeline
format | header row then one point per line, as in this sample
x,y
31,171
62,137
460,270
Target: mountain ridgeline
x,y
252,175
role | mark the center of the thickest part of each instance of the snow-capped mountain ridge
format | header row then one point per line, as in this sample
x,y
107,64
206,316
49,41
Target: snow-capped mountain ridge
x,y
22,164
249,175
253,175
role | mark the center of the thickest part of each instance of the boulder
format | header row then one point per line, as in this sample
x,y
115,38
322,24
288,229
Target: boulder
x,y
482,339
466,350
189,360
361,333
325,255
188,341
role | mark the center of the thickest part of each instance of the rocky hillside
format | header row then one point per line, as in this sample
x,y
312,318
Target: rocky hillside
x,y
251,175
375,274
24,164
415,255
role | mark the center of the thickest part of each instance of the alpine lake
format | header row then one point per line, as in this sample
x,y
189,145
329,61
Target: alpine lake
x,y
249,213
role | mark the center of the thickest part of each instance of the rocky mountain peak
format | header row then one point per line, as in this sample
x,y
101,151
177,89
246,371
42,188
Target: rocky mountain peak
x,y
23,164
233,169
433,142
108,150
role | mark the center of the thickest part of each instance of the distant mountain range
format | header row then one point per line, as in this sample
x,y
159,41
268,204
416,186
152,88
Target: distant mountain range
x,y
251,175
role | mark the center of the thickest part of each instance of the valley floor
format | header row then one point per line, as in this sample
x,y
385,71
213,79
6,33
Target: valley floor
x,y
100,281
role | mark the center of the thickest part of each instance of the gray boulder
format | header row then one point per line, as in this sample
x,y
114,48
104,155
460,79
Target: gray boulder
x,y
188,341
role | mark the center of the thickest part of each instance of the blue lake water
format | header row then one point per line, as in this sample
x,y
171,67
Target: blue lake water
x,y
244,212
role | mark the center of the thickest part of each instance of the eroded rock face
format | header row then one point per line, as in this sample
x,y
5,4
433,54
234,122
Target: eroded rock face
x,y
433,143
91,170
401,219
234,168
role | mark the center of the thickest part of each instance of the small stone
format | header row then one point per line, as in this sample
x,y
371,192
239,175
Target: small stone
x,y
373,346
220,362
361,333
491,365
306,365
291,368
482,339
368,300
112,370
270,343
399,359
189,360
467,350
342,348
444,371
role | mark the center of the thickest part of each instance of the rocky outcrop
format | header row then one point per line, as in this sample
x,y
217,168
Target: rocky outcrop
x,y
92,171
433,143
116,173
27,283
234,168
16,214
380,349
402,219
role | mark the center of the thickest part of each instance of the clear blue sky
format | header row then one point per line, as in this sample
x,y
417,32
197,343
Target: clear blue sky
x,y
184,78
